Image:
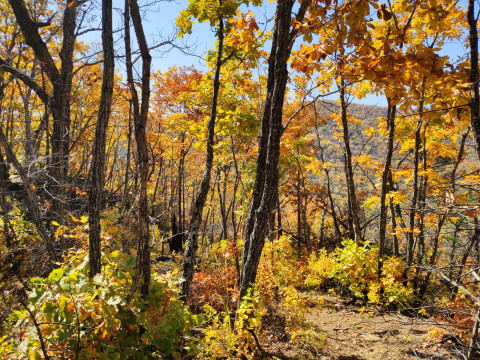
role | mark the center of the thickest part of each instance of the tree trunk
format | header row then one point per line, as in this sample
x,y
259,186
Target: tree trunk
x,y
354,208
327,174
474,76
8,229
127,167
443,218
195,221
181,174
33,203
97,169
29,141
396,250
473,241
140,117
61,81
411,235
266,181
385,182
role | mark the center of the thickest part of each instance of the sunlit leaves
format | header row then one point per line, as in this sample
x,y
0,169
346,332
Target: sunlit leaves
x,y
69,304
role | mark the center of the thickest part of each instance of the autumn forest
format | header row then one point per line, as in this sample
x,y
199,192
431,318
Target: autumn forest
x,y
259,205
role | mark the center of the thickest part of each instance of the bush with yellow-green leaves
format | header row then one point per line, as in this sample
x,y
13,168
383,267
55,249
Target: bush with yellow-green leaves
x,y
356,266
81,318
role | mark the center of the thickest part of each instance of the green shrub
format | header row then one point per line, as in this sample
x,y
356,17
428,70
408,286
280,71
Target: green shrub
x,y
222,340
82,318
356,267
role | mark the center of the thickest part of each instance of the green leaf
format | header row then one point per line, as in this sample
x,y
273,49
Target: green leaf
x,y
198,319
114,356
64,285
139,355
36,280
55,275
307,38
72,277
49,308
130,261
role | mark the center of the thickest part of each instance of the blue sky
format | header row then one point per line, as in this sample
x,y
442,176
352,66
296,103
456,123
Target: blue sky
x,y
160,21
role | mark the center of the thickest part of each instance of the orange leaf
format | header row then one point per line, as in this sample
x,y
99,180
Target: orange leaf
x,y
373,63
471,214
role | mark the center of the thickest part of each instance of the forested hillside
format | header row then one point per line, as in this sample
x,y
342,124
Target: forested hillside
x,y
255,207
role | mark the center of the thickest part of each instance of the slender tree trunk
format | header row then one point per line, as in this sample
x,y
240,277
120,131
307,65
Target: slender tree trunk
x,y
474,75
180,204
327,174
8,229
396,250
354,208
385,182
29,141
279,217
234,200
472,349
299,212
140,117
422,206
97,169
224,211
266,180
411,235
33,202
157,183
196,219
129,146
413,211
473,241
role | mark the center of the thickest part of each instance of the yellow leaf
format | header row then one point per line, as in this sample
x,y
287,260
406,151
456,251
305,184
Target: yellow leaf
x,y
370,132
35,355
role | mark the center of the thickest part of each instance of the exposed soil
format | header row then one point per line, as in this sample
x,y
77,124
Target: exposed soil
x,y
333,330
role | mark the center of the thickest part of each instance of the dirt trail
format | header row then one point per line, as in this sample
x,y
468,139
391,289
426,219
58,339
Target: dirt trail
x,y
337,331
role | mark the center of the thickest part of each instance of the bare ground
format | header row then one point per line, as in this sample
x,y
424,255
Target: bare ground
x,y
332,330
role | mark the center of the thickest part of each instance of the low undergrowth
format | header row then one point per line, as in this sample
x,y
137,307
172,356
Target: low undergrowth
x,y
66,315
69,316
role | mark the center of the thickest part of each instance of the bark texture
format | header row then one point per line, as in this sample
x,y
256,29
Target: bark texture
x,y
474,76
385,181
97,169
140,117
266,181
61,81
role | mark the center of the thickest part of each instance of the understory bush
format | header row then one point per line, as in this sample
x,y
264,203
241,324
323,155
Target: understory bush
x,y
230,338
81,318
215,281
356,266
